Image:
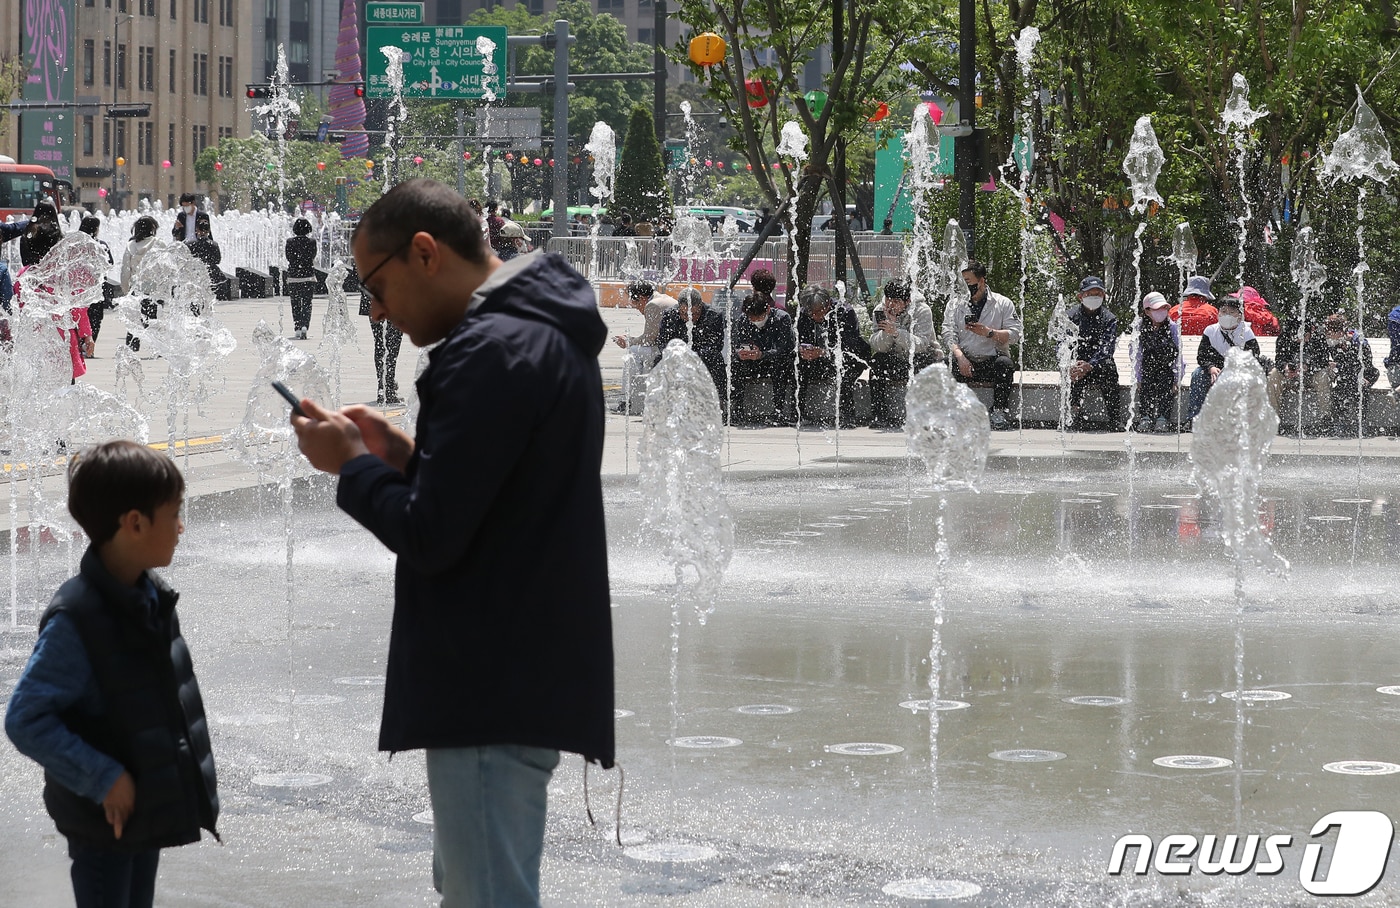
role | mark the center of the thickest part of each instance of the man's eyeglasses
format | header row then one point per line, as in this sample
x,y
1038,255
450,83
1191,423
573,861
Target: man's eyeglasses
x,y
393,255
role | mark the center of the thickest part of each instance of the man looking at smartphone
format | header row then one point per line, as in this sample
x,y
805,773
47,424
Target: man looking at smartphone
x,y
901,344
763,344
978,333
495,665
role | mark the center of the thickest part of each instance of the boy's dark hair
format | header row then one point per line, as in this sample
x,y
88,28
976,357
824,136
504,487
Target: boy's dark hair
x,y
301,227
899,288
640,288
117,477
757,303
428,206
202,222
89,225
189,198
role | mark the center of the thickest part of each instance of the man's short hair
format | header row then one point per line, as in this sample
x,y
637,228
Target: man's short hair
x,y
430,207
188,198
757,303
813,298
690,297
976,267
898,288
764,281
301,227
640,288
115,478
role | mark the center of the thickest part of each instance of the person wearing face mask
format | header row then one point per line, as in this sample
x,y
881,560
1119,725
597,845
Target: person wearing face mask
x,y
1158,368
1351,371
1229,330
700,326
1093,365
901,344
762,340
978,333
184,229
1195,312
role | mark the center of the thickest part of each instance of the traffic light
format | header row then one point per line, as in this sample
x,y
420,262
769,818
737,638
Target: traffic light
x,y
359,89
258,91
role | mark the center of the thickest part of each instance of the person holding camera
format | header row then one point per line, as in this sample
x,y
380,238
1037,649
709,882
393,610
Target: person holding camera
x,y
642,349
1300,364
762,340
978,333
901,344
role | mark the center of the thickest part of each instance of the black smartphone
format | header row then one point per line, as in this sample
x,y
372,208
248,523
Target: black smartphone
x,y
291,398
969,319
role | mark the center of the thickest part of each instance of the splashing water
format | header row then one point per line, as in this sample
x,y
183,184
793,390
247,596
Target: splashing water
x,y
1184,254
1311,277
337,327
1362,151
1229,447
1236,120
486,49
397,112
680,473
793,142
1064,334
1143,164
947,428
602,145
922,155
281,108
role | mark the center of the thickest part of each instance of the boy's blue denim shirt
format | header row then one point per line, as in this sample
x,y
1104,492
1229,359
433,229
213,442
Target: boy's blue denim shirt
x,y
57,678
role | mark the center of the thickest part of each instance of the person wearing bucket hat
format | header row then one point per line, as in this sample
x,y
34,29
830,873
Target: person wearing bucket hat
x,y
1159,368
1230,330
1195,313
1093,346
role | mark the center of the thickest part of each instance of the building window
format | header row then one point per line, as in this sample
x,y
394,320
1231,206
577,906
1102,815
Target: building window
x,y
226,77
173,68
610,6
298,52
226,12
174,7
200,135
201,11
146,64
106,138
89,61
643,4
225,132
106,62
89,3
148,8
644,35
200,84
170,143
536,7
122,6
87,135
121,138
121,66
144,153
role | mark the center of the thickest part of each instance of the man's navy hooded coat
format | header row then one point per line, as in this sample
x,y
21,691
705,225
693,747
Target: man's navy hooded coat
x,y
502,632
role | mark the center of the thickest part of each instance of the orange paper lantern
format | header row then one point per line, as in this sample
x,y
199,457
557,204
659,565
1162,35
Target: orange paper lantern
x,y
707,49
882,110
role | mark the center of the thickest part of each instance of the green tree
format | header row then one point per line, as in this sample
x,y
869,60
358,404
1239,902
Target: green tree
x,y
641,174
771,44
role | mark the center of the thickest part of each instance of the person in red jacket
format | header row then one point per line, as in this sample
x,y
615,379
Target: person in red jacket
x,y
1256,311
1195,312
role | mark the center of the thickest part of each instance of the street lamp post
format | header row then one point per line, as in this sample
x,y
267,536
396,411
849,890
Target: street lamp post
x,y
117,19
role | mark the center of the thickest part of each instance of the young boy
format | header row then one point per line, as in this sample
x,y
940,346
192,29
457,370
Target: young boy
x,y
108,703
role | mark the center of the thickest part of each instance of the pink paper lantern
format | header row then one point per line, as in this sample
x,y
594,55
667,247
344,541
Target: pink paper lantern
x,y
102,193
418,159
709,163
218,165
935,113
510,156
538,162
165,164
466,156
719,164
551,162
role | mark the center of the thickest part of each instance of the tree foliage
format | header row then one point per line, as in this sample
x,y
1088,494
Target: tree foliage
x,y
641,172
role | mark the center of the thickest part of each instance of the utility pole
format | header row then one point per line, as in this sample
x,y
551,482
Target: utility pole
x,y
561,128
966,156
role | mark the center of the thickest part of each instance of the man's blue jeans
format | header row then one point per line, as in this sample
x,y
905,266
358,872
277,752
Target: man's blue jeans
x,y
488,823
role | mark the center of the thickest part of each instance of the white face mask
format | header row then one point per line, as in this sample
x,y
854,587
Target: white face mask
x,y
1229,322
189,209
1091,302
1157,315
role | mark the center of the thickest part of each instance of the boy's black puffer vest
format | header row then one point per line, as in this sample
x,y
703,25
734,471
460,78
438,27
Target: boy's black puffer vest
x,y
152,718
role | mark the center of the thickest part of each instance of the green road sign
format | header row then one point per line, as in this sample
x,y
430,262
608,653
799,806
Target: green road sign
x,y
393,13
441,61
